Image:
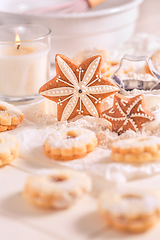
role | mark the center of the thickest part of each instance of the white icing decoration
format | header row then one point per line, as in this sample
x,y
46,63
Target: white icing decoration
x,y
69,107
90,106
114,118
111,111
128,116
63,91
134,125
101,89
120,109
79,89
67,71
120,129
88,74
139,108
133,104
123,102
142,115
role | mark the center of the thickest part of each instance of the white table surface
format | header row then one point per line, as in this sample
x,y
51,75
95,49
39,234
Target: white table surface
x,y
20,220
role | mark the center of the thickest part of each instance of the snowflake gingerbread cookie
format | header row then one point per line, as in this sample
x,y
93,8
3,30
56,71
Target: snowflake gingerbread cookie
x,y
127,113
78,89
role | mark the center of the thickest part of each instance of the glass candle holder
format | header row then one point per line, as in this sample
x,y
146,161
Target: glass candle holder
x,y
24,61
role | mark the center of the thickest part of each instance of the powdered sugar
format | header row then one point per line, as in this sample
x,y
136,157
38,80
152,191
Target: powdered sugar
x,y
61,194
37,125
137,76
34,130
78,138
140,142
130,203
35,114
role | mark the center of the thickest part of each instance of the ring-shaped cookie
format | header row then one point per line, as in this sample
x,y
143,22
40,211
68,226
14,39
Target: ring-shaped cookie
x,y
57,190
136,150
10,116
70,143
132,210
8,148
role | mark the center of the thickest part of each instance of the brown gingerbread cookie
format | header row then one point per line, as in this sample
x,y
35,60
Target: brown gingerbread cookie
x,y
78,89
127,113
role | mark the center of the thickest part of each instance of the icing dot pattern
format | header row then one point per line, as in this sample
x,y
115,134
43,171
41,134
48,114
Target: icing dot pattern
x,y
84,86
129,113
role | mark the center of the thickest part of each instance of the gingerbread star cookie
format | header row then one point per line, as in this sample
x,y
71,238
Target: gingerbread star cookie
x,y
78,89
127,113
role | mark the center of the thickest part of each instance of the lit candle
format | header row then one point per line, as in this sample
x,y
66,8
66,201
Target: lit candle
x,y
24,67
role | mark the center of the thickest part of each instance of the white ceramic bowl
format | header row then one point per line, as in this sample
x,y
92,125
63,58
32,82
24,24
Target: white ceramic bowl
x,y
107,25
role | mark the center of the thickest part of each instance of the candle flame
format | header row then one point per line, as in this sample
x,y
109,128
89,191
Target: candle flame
x,y
17,40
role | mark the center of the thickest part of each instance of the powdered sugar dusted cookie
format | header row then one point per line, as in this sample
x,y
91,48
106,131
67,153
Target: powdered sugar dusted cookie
x,y
8,148
128,113
10,116
70,143
58,190
127,67
136,150
90,52
131,210
78,89
156,62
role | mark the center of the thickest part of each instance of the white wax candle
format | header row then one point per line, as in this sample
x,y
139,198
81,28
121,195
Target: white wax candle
x,y
23,71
